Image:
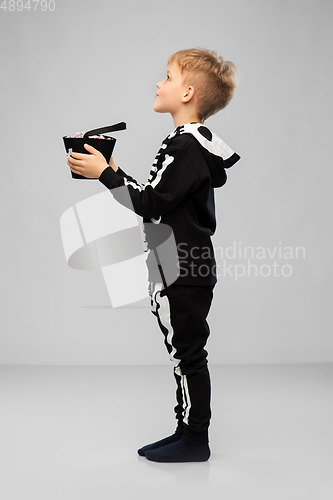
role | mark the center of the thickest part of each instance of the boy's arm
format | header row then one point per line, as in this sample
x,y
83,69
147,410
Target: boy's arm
x,y
172,177
169,182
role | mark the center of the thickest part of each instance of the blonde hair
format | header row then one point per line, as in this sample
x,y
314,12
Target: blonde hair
x,y
213,78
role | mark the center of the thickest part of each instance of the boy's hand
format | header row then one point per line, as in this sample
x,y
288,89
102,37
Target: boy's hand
x,y
90,166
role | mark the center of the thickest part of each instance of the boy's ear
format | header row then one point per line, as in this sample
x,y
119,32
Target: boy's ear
x,y
188,95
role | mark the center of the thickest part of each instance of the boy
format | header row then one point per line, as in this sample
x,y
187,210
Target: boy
x,y
189,165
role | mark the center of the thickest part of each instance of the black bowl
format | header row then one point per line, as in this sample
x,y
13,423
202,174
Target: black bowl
x,y
105,145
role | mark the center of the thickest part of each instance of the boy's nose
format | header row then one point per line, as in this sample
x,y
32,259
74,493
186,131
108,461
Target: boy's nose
x,y
158,85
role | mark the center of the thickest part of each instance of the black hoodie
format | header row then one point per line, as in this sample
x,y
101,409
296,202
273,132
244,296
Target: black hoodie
x,y
190,163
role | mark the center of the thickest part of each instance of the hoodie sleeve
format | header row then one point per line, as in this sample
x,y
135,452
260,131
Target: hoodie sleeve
x,y
171,178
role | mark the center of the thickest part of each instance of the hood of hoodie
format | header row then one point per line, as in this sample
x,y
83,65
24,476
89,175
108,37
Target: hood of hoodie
x,y
219,156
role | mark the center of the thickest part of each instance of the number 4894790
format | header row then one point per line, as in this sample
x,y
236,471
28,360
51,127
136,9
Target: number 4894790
x,y
29,5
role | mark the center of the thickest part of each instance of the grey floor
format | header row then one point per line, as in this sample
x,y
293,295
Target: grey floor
x,y
71,433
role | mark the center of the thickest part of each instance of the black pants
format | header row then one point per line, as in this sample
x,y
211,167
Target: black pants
x,y
181,312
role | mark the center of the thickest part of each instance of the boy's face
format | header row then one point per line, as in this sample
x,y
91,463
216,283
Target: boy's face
x,y
170,91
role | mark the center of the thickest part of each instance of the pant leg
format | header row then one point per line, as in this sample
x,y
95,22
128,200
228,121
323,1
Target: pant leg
x,y
179,408
154,292
181,312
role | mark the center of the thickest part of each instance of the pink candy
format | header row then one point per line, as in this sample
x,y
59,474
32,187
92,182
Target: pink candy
x,y
79,135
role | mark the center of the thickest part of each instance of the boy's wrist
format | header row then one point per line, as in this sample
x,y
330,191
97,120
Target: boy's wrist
x,y
112,164
108,177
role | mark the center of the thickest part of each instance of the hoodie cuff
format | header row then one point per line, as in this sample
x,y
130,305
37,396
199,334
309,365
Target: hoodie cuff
x,y
121,172
109,177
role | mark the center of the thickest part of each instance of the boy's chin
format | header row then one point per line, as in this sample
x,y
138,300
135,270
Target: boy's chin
x,y
157,110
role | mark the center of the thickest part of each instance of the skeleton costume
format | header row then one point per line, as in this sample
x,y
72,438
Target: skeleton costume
x,y
190,163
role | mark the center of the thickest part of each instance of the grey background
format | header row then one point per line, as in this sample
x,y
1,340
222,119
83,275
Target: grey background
x,y
90,64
